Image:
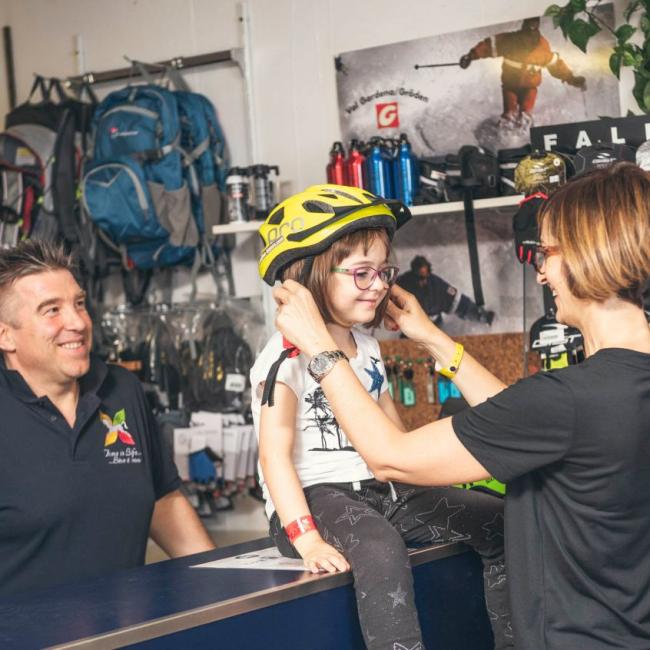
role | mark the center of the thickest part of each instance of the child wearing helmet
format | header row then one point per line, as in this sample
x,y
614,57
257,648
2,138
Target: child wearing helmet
x,y
323,503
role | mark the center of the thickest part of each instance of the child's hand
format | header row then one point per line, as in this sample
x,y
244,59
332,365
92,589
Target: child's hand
x,y
318,555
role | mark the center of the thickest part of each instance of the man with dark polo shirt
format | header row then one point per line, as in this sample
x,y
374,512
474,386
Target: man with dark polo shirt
x,y
84,475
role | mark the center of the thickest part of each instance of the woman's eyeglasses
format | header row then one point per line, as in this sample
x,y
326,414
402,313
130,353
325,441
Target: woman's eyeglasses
x,y
541,253
364,276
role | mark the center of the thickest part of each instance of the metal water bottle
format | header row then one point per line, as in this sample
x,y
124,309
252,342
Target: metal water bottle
x,y
263,188
336,165
376,168
404,177
391,160
354,166
237,191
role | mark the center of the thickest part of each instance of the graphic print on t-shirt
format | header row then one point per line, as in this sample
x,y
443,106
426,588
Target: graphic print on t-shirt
x,y
117,430
376,375
322,419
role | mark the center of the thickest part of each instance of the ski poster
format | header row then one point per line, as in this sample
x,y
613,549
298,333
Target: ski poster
x,y
484,86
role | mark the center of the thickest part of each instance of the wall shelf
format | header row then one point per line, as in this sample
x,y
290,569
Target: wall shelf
x,y
496,203
237,227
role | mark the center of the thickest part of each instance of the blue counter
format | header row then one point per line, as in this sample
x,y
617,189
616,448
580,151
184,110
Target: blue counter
x,y
170,605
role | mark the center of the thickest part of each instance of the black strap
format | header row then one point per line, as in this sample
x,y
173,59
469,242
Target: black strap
x,y
269,384
135,283
470,227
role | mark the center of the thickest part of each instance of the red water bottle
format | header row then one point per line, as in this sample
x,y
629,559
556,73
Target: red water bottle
x,y
336,165
354,166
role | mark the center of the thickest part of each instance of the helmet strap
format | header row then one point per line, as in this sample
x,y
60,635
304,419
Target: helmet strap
x,y
306,270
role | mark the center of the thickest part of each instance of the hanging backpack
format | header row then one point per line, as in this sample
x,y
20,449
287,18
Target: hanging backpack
x,y
219,377
22,177
47,130
134,188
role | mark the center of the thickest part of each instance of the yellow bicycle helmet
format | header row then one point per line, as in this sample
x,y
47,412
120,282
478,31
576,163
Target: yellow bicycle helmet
x,y
307,223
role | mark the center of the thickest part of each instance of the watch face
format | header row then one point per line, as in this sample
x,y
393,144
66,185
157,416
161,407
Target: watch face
x,y
320,363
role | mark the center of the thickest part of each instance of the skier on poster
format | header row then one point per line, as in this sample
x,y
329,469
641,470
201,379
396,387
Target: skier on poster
x,y
525,54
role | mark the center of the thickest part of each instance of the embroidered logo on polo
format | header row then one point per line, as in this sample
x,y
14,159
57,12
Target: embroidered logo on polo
x,y
115,453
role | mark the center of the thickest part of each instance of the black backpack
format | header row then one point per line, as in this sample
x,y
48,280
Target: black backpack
x,y
217,379
48,129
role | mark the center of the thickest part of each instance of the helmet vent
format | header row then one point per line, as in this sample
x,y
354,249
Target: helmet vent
x,y
346,195
318,207
277,217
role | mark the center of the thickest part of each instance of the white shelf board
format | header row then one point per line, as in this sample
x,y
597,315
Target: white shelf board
x,y
496,203
236,227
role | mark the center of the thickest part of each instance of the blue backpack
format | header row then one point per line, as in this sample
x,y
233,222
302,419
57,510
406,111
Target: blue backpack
x,y
135,187
206,158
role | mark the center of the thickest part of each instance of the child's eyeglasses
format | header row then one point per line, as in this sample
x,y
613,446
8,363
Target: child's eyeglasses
x,y
541,253
364,276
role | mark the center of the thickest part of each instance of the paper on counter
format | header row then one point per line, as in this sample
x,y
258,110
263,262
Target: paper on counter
x,y
269,559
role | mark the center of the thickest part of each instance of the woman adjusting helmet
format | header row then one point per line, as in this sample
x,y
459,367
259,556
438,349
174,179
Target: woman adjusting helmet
x,y
309,222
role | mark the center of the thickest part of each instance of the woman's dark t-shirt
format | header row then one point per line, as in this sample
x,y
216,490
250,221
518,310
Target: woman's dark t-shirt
x,y
573,446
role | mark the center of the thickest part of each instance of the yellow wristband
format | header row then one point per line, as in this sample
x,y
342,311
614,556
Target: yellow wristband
x,y
450,372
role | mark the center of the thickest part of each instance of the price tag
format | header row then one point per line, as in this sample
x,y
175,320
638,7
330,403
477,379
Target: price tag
x,y
235,382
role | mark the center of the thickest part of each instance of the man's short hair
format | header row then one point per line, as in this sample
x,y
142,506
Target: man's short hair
x,y
28,258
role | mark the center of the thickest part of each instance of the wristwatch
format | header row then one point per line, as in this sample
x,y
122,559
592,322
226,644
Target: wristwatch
x,y
322,363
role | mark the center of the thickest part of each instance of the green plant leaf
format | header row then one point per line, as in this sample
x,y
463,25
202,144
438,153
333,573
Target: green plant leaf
x,y
630,9
624,32
644,24
615,64
578,5
580,32
628,59
119,418
565,20
552,10
639,85
646,96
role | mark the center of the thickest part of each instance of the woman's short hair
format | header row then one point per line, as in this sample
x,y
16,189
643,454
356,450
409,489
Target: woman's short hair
x,y
27,258
321,271
601,222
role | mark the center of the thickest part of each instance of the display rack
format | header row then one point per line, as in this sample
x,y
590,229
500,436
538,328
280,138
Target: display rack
x,y
480,205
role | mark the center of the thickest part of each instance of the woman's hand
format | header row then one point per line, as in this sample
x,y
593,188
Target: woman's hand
x,y
299,319
318,555
405,313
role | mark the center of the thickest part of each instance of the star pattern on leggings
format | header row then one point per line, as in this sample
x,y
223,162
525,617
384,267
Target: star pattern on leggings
x,y
353,514
398,596
439,533
495,575
401,646
494,527
391,506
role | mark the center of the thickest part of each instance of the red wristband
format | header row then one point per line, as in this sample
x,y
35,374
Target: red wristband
x,y
299,527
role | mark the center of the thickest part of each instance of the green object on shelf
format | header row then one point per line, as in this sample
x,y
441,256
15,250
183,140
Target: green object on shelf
x,y
487,485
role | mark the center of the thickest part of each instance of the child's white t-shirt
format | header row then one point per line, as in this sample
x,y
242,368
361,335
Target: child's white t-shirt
x,y
321,451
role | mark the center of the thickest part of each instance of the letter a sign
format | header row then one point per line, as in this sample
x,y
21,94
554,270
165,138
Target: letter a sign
x,y
387,115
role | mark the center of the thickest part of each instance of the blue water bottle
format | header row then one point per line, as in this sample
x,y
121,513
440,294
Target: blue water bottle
x,y
376,169
389,152
404,167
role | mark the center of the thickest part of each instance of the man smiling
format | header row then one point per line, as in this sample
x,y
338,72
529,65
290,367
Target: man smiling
x,y
84,475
